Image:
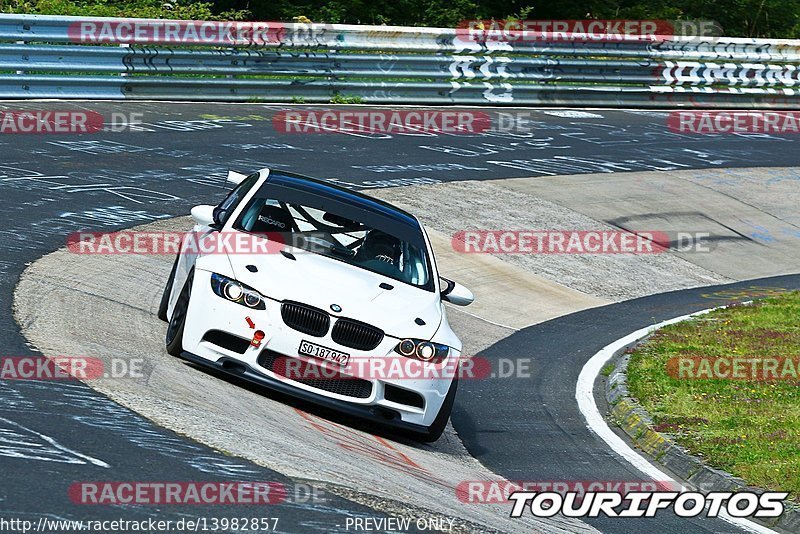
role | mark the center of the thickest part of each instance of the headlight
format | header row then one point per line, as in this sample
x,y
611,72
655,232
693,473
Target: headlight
x,y
422,350
426,351
237,292
407,347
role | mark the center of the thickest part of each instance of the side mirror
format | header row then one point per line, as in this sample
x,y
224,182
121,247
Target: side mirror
x,y
455,293
203,215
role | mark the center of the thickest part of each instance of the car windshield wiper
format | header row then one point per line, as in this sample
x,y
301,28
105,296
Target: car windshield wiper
x,y
340,250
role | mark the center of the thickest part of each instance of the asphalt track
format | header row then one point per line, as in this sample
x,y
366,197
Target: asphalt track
x,y
53,185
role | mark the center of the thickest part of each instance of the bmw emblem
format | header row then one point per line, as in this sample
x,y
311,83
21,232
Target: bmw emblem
x,y
336,308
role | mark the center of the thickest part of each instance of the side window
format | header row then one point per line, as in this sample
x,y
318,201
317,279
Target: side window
x,y
227,206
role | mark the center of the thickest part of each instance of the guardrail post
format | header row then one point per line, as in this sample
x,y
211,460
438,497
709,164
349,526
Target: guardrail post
x,y
21,72
124,45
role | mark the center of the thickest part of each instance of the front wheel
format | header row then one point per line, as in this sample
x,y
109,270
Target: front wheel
x,y
174,339
436,430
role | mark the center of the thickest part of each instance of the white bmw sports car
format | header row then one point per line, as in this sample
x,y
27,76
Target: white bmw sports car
x,y
322,293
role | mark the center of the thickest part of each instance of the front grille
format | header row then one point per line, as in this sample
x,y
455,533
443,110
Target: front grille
x,y
357,335
306,319
315,376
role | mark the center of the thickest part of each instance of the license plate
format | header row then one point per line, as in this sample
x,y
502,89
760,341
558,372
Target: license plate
x,y
323,353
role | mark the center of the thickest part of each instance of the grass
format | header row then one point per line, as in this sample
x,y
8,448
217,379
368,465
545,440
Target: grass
x,y
748,426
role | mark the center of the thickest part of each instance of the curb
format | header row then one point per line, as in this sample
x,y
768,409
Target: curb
x,y
632,418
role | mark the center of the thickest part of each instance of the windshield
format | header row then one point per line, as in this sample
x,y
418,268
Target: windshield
x,y
326,232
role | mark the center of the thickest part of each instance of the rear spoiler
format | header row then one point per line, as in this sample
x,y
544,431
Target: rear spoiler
x,y
236,177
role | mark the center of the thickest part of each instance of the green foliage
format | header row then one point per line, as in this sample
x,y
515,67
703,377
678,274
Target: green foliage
x,y
343,99
749,426
752,18
448,14
166,9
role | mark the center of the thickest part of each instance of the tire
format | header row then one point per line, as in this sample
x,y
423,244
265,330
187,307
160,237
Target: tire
x,y
436,430
164,305
174,337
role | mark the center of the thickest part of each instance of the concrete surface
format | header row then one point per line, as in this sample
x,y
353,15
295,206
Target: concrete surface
x,y
753,213
505,293
492,205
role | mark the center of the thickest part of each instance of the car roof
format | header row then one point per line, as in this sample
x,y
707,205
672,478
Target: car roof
x,y
354,198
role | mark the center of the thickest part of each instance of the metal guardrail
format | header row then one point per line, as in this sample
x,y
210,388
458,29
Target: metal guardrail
x,y
47,57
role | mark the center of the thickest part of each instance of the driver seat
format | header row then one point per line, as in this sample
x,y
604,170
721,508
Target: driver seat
x,y
273,219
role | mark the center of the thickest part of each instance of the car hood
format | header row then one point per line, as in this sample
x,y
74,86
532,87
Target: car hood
x,y
320,281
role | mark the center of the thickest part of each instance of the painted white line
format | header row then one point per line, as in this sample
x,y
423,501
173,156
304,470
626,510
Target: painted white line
x,y
597,424
54,443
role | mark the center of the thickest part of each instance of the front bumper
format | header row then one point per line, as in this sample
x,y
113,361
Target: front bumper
x,y
379,414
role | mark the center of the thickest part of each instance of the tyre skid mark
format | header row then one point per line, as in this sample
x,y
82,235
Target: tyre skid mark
x,y
365,445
